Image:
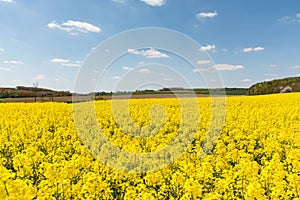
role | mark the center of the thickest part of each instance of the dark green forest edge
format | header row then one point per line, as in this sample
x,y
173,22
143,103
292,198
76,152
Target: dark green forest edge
x,y
22,91
285,85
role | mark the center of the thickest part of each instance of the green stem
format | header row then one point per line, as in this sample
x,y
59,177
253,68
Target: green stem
x,y
6,191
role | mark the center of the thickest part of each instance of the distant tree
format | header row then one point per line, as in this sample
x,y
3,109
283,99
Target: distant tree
x,y
35,87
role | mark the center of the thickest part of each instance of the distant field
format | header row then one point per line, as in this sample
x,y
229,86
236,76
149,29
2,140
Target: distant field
x,y
27,94
107,97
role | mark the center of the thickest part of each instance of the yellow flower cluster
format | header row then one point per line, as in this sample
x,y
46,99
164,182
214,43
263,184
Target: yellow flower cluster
x,y
256,156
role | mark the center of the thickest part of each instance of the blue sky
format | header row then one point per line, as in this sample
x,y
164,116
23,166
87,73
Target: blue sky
x,y
48,41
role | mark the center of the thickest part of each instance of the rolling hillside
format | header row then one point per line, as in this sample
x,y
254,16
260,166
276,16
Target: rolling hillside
x,y
285,85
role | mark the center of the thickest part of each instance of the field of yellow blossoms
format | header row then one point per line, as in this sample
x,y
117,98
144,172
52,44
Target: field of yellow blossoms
x,y
256,156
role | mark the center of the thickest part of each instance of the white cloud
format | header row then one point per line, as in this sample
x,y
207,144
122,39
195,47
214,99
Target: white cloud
x,y
246,80
127,68
298,75
295,67
14,62
204,15
268,79
74,27
225,50
272,65
116,77
207,48
289,19
39,77
220,67
70,64
286,19
7,1
150,53
65,62
201,69
119,1
270,75
5,68
144,71
1,50
249,49
168,79
203,62
61,79
154,2
59,60
228,67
